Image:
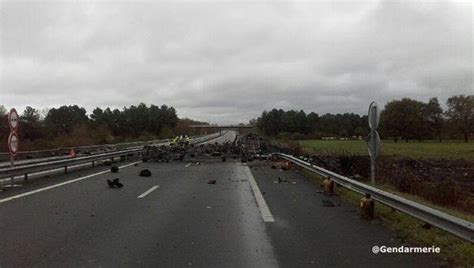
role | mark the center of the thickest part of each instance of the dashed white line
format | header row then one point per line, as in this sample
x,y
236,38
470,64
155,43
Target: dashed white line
x,y
60,184
148,191
262,205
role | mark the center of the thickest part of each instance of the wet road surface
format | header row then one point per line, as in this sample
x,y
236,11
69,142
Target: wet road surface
x,y
175,218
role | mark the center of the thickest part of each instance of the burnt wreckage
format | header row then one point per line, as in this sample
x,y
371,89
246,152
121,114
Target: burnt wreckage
x,y
246,147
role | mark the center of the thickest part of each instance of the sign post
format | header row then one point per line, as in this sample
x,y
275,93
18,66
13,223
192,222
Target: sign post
x,y
13,121
373,140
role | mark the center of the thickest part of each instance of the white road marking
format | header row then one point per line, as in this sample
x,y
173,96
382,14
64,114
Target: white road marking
x,y
60,184
148,191
262,205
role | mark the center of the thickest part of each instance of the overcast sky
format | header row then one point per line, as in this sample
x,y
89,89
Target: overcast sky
x,y
226,62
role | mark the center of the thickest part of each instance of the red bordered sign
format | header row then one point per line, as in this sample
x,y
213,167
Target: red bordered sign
x,y
13,143
13,120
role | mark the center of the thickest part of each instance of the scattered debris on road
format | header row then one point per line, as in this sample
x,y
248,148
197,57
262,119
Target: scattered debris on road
x,y
367,207
115,183
211,181
145,173
280,180
328,186
248,147
114,169
327,203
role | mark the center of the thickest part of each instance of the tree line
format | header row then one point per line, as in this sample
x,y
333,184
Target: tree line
x,y
278,122
69,124
404,119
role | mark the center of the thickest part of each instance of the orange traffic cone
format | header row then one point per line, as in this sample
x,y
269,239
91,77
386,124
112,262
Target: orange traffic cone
x,y
72,153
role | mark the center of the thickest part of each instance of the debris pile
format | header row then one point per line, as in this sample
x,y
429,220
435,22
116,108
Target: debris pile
x,y
248,147
115,183
163,153
252,146
114,169
145,173
282,165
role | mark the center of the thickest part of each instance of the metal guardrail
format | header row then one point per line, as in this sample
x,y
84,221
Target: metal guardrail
x,y
64,163
33,161
65,150
459,227
127,145
97,147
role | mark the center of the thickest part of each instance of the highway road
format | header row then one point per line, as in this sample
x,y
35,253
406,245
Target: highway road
x,y
175,218
226,136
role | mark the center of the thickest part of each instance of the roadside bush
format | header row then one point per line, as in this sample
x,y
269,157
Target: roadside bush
x,y
346,163
166,133
444,192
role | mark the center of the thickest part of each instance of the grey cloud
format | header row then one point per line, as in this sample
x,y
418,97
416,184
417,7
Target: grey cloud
x,y
226,62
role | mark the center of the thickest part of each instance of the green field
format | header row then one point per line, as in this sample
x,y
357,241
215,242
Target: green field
x,y
427,149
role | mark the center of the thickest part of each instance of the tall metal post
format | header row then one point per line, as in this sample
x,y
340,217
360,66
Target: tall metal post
x,y
373,140
12,163
372,170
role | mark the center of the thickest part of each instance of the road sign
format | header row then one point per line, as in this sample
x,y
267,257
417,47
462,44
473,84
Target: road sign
x,y
373,140
13,143
374,144
13,119
374,115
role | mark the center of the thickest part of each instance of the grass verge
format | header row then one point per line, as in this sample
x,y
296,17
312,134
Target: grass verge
x,y
417,150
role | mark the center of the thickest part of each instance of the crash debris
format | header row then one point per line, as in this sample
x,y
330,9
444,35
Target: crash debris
x,y
115,183
145,173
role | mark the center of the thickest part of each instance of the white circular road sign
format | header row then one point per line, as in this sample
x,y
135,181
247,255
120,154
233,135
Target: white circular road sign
x,y
13,143
373,141
13,119
374,115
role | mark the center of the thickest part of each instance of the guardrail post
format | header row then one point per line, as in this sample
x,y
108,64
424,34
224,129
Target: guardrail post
x,y
65,169
93,163
26,177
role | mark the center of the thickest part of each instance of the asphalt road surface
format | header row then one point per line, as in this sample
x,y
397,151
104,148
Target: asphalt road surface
x,y
226,136
176,219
